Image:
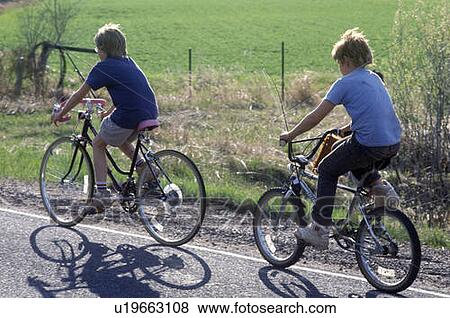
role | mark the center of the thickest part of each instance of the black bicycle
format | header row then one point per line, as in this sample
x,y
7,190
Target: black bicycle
x,y
384,240
169,194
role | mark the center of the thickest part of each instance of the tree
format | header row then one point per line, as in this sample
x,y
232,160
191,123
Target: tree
x,y
45,21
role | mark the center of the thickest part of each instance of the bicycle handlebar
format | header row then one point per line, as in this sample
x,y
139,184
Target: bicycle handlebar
x,y
90,103
99,103
314,150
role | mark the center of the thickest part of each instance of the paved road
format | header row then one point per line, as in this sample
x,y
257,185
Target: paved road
x,y
38,259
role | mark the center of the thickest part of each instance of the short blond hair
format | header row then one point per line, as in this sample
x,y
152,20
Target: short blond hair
x,y
354,47
111,40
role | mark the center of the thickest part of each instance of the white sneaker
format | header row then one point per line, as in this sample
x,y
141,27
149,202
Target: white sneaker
x,y
315,234
384,195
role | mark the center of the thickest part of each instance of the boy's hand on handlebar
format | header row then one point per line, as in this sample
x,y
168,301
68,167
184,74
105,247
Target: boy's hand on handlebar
x,y
337,131
58,118
341,132
285,137
55,118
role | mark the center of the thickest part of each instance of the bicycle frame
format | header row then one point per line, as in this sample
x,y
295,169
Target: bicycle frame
x,y
383,239
84,139
300,163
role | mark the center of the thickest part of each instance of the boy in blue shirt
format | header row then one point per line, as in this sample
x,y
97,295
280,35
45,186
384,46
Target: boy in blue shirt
x,y
375,131
132,96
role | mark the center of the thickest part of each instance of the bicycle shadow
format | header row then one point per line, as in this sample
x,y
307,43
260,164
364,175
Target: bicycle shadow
x,y
289,284
124,271
376,294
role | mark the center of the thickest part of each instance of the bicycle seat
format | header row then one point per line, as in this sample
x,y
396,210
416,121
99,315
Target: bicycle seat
x,y
302,160
148,125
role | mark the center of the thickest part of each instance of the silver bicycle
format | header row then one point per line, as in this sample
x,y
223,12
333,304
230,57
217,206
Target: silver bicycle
x,y
384,240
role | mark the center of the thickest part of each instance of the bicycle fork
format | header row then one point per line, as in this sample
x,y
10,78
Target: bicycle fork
x,y
378,246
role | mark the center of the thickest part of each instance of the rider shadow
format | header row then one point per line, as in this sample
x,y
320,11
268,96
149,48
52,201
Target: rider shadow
x,y
289,284
126,271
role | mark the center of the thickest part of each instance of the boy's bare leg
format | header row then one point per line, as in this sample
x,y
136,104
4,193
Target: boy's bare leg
x,y
99,160
102,197
128,149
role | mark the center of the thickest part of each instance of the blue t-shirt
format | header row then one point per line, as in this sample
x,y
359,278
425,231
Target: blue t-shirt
x,y
130,91
367,101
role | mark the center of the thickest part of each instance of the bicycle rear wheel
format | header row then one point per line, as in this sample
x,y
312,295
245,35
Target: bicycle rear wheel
x,y
66,181
389,259
275,221
174,215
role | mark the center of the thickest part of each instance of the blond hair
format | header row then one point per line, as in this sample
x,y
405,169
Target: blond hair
x,y
353,47
111,40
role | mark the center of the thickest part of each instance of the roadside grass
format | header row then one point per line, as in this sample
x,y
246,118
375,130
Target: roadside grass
x,y
434,237
235,149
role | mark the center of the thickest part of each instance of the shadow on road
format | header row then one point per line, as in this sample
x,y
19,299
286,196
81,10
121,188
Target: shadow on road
x,y
122,271
289,284
376,294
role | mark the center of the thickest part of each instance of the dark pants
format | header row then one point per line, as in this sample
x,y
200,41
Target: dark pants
x,y
348,155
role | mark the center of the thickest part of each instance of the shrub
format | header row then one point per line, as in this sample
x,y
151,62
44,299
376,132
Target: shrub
x,y
300,93
418,75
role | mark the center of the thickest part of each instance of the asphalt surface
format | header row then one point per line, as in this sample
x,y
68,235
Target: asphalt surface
x,y
40,259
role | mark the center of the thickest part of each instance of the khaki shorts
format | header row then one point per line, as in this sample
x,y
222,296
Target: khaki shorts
x,y
114,135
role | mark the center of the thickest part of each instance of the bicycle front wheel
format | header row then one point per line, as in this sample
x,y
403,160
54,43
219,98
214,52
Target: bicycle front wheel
x,y
172,206
66,181
275,221
388,251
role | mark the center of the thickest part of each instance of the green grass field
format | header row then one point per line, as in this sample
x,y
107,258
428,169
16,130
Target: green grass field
x,y
243,34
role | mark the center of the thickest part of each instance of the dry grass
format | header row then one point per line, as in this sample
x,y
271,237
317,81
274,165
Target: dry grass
x,y
300,92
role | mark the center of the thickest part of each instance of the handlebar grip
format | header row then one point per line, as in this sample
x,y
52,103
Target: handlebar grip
x,y
282,143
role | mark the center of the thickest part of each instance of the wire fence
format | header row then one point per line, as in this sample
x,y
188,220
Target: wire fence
x,y
274,81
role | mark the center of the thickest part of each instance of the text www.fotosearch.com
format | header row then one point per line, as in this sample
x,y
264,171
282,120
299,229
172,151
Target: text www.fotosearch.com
x,y
185,307
248,308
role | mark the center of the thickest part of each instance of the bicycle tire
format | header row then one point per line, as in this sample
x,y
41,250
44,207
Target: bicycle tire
x,y
88,181
299,247
415,248
152,225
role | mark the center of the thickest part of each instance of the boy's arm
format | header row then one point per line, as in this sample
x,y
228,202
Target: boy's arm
x,y
309,121
72,101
